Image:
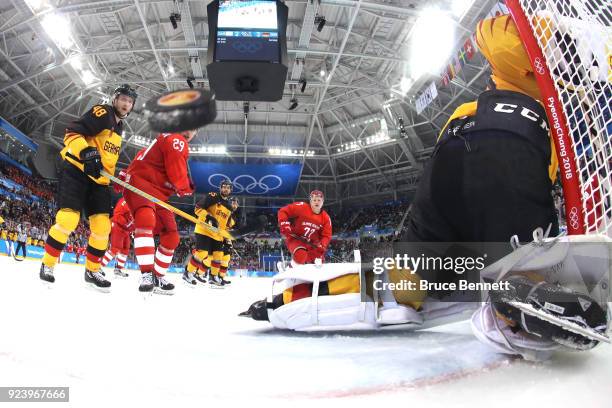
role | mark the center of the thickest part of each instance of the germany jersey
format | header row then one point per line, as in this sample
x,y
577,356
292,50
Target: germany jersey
x,y
217,207
97,128
509,111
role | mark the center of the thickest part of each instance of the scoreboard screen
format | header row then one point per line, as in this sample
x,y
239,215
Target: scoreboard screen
x,y
247,30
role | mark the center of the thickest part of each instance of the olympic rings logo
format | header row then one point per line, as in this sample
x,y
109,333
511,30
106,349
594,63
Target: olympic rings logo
x,y
246,48
246,183
573,218
539,65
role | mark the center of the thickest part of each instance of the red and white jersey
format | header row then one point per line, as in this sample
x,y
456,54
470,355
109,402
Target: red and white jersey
x,y
164,165
122,216
316,228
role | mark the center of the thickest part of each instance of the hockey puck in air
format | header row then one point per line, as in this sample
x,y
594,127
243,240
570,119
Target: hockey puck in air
x,y
181,110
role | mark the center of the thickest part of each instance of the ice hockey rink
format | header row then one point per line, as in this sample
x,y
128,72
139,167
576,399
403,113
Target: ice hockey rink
x,y
191,349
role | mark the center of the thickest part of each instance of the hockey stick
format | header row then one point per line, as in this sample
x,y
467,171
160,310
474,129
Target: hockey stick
x,y
167,206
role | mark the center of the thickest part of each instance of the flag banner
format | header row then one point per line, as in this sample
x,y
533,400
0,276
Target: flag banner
x,y
430,93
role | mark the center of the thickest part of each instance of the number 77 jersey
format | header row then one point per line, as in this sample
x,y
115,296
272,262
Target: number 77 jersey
x,y
315,228
161,168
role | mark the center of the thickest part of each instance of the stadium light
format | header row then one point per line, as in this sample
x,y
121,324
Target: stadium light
x,y
277,151
432,42
405,85
88,77
58,29
208,149
459,7
36,5
76,63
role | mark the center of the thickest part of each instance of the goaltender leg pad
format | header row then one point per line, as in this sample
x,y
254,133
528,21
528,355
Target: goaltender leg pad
x,y
340,312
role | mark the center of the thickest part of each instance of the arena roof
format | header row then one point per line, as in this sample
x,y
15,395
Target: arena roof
x,y
345,128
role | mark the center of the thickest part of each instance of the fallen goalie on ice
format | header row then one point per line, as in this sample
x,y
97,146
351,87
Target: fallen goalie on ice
x,y
556,297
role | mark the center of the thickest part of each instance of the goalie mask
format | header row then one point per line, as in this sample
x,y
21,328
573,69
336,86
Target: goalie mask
x,y
498,40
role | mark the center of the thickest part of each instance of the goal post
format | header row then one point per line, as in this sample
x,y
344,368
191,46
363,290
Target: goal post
x,y
569,45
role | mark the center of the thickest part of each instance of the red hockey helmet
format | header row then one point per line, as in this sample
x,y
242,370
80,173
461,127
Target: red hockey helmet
x,y
317,193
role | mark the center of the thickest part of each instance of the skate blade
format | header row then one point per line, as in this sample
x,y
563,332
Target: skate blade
x,y
121,277
216,287
47,284
189,285
163,292
146,295
565,324
97,289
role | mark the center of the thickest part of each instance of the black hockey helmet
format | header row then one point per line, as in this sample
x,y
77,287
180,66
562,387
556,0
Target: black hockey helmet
x,y
124,89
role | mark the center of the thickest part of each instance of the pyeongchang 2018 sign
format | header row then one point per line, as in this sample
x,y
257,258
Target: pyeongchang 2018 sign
x,y
248,179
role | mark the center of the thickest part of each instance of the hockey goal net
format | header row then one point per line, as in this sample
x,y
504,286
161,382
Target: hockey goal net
x,y
569,43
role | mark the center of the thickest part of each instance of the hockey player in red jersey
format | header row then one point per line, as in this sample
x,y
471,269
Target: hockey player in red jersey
x,y
121,231
306,228
160,170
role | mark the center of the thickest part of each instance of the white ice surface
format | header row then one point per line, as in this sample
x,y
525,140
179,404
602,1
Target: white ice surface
x,y
191,349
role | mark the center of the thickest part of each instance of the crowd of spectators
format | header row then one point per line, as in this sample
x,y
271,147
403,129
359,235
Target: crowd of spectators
x,y
32,205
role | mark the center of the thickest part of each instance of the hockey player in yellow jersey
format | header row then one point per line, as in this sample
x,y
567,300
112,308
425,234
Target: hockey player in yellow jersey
x,y
91,144
227,246
215,210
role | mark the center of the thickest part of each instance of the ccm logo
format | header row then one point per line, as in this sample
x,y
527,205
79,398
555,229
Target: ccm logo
x,y
525,112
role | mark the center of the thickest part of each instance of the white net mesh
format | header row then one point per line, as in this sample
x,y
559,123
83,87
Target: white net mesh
x,y
575,37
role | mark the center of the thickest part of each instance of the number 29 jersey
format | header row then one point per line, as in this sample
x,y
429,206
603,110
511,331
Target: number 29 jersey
x,y
162,167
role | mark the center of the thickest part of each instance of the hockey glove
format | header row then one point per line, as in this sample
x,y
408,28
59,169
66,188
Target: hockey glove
x,y
184,193
117,187
90,156
285,228
212,221
188,191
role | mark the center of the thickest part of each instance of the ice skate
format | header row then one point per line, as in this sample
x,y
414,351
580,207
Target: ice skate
x,y
97,281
